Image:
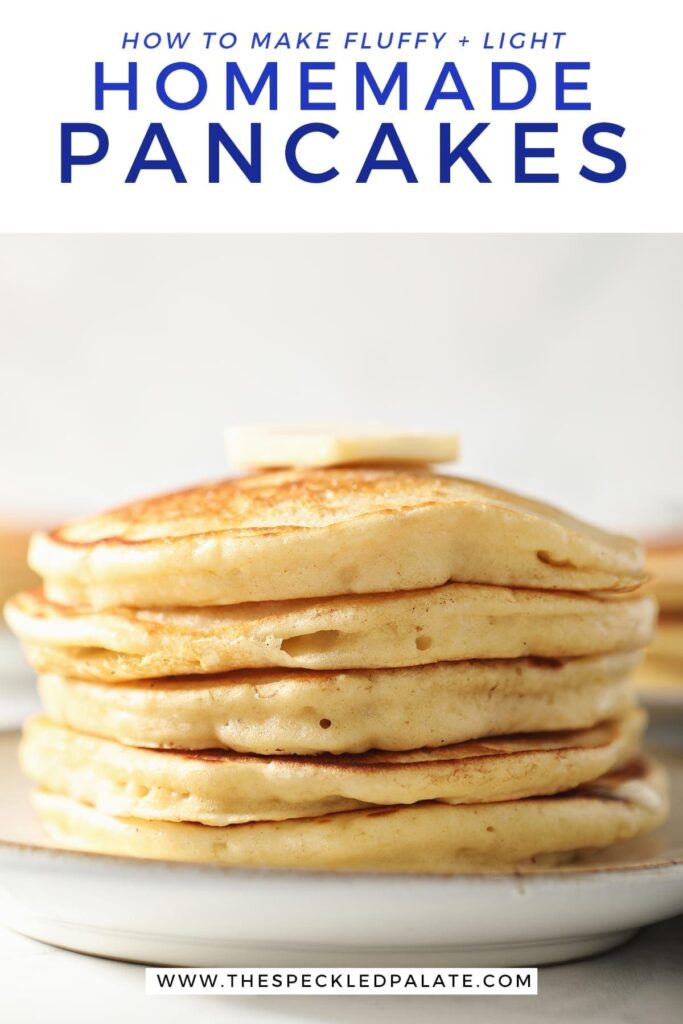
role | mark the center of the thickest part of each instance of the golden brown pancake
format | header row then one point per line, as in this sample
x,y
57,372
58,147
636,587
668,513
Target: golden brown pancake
x,y
224,788
15,574
662,670
319,532
659,676
450,623
431,837
300,712
665,567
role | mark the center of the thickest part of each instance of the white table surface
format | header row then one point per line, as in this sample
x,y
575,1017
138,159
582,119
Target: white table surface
x,y
640,982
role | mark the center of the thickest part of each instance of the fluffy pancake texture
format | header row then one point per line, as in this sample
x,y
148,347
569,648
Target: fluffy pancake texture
x,y
313,533
429,837
223,788
449,623
355,668
300,712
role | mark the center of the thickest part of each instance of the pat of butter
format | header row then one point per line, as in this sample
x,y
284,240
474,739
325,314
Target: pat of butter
x,y
267,447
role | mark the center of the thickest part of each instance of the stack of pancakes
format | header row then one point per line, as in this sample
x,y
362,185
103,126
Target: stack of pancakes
x,y
361,668
663,666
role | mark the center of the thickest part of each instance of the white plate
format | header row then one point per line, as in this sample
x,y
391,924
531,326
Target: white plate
x,y
174,913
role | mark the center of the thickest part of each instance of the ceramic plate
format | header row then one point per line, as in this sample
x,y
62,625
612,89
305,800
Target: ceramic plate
x,y
175,913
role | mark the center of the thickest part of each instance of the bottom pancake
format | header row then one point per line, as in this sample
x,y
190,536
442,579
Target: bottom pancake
x,y
218,787
432,837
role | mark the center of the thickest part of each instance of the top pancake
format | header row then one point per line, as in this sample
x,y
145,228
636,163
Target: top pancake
x,y
315,533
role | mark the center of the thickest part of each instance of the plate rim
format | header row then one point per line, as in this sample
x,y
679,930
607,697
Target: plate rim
x,y
131,863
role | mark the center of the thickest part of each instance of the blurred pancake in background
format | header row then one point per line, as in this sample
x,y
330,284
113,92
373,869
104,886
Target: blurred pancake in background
x,y
665,566
661,673
16,679
15,573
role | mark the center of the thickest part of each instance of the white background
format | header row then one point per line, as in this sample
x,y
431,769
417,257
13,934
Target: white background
x,y
48,50
559,359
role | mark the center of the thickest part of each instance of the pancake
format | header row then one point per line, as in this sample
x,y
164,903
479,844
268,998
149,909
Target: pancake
x,y
300,712
665,565
662,669
450,623
430,837
14,571
224,788
321,532
667,642
663,665
659,674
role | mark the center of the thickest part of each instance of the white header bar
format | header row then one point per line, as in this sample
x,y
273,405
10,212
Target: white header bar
x,y
291,115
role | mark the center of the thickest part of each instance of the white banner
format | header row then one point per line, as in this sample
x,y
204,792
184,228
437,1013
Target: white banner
x,y
292,115
358,981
